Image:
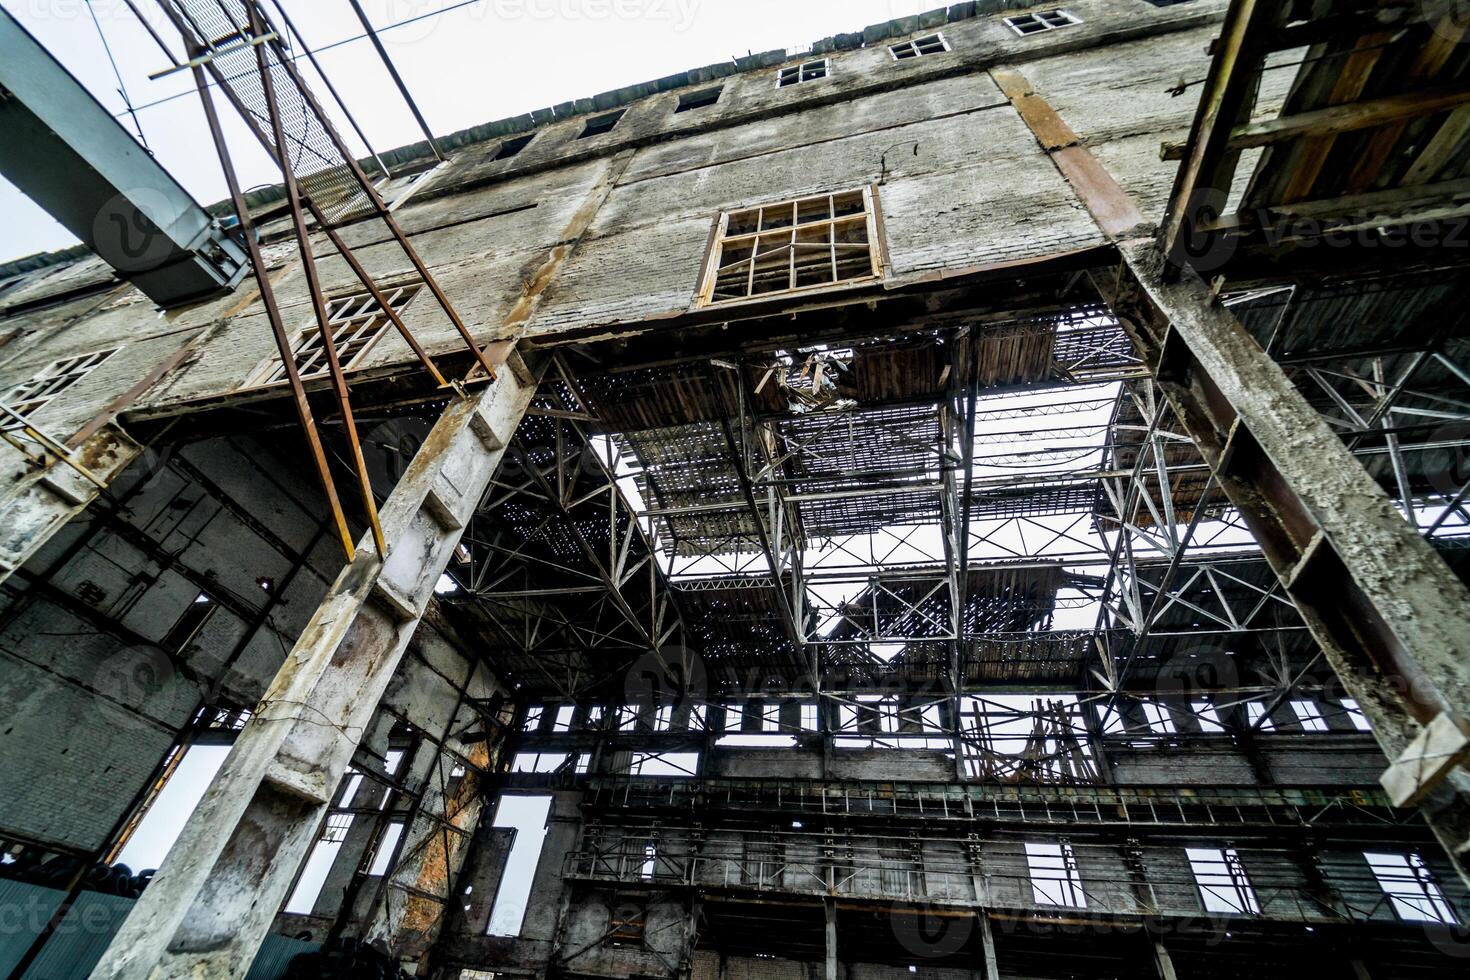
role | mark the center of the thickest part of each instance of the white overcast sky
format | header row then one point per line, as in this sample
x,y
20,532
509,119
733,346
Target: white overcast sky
x,y
484,61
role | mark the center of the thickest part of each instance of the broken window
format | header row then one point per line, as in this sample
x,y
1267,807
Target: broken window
x,y
563,720
931,44
794,245
1411,887
625,926
1055,879
188,625
513,147
1045,20
700,99
27,397
533,717
600,125
807,72
356,323
1223,883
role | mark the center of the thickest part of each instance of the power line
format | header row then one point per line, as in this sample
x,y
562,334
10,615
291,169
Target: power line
x,y
122,88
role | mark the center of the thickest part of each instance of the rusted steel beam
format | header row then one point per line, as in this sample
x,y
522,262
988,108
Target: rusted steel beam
x,y
314,287
267,295
1336,119
1388,613
215,897
413,107
1113,210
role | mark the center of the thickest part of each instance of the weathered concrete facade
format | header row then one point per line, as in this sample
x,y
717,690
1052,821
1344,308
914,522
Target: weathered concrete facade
x,y
896,626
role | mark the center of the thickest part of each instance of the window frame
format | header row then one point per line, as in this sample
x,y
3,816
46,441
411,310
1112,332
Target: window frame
x,y
1230,887
1417,873
873,223
1065,876
1038,17
913,45
800,68
272,370
55,379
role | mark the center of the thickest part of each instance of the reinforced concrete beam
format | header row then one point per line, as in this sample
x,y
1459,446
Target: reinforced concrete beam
x,y
1387,611
213,901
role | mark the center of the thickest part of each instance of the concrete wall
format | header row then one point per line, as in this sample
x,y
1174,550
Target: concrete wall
x,y
979,192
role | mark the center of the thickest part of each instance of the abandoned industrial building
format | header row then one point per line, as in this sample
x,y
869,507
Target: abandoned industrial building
x,y
985,497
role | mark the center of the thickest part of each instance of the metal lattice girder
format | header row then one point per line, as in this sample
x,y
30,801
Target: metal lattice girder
x,y
1389,614
214,899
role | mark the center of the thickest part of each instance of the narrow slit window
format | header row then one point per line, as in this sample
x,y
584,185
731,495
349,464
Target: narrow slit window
x,y
601,125
810,243
699,100
809,71
188,625
1223,883
26,398
920,47
1055,879
513,147
1411,888
356,323
1045,20
386,849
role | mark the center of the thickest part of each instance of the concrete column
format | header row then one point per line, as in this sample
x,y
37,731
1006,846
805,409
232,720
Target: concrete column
x,y
213,901
987,938
1389,614
1164,962
831,969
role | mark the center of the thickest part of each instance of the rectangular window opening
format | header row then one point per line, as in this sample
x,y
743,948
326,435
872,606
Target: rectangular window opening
x,y
1411,887
602,125
1055,879
1223,884
809,71
1046,20
1356,716
513,147
699,100
1208,717
919,48
791,246
188,625
528,816
1309,715
1256,711
563,721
